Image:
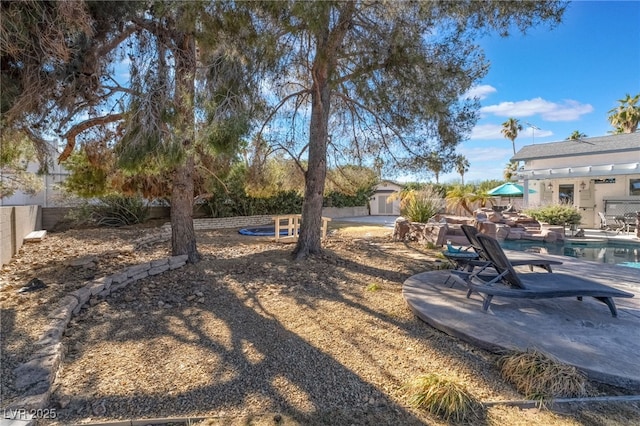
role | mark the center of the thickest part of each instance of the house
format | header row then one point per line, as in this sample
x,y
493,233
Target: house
x,y
598,174
49,196
379,203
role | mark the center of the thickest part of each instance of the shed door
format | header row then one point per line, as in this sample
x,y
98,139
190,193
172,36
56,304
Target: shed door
x,y
384,207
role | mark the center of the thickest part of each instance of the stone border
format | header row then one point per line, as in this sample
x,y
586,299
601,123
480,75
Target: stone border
x,y
36,376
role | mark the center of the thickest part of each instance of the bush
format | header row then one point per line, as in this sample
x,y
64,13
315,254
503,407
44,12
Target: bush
x,y
556,215
120,210
444,398
112,210
340,199
240,204
537,376
420,206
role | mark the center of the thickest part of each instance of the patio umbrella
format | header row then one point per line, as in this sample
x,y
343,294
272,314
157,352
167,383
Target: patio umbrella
x,y
509,189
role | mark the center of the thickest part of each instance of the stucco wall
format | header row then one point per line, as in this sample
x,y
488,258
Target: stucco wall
x,y
335,212
16,222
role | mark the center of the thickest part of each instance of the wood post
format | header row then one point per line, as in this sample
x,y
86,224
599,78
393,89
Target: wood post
x,y
291,223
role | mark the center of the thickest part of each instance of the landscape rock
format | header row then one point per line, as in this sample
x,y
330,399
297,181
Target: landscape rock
x,y
159,269
401,229
84,261
138,270
82,294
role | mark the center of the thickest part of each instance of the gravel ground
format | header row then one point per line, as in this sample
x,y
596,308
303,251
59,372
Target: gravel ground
x,y
248,336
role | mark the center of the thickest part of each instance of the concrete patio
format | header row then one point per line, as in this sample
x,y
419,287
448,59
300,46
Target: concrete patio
x,y
580,333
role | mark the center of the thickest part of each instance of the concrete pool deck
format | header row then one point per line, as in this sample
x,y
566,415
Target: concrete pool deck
x,y
579,333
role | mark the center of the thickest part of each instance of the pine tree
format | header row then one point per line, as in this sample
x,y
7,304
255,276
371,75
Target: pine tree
x,y
381,79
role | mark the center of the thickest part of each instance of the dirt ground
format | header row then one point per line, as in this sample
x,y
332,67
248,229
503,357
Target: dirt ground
x,y
248,336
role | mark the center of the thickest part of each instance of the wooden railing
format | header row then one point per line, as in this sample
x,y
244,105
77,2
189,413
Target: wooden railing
x,y
291,223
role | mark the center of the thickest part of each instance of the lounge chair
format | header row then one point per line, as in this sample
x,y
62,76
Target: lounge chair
x,y
631,221
517,259
626,223
607,226
508,283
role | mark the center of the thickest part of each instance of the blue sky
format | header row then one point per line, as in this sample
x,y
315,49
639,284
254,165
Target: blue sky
x,y
558,80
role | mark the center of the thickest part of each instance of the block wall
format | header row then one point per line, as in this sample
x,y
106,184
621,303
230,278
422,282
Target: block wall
x,y
16,222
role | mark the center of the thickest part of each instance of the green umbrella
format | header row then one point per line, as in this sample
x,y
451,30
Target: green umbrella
x,y
509,189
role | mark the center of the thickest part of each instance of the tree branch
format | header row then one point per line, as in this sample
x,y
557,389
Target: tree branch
x,y
115,42
380,122
337,35
72,133
280,105
357,73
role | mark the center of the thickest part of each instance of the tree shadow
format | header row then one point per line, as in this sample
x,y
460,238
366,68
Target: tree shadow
x,y
258,361
279,363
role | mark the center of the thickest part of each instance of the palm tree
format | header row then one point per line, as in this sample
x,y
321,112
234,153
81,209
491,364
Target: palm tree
x,y
462,166
435,163
459,196
576,135
510,169
510,129
482,197
625,117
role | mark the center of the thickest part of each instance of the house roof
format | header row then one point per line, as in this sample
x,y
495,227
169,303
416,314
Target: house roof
x,y
585,146
386,182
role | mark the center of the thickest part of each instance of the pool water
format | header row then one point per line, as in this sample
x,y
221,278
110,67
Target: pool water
x,y
616,253
262,231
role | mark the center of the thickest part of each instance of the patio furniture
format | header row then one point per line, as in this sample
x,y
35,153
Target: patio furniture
x,y
508,283
461,259
608,226
516,259
626,222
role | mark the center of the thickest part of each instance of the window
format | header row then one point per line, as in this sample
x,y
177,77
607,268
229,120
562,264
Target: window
x,y
609,180
634,186
566,194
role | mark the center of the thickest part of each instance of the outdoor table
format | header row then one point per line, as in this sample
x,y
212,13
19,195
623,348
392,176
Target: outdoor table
x,y
461,259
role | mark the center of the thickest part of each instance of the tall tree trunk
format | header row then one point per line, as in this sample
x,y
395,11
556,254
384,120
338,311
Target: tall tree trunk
x,y
183,236
310,228
324,64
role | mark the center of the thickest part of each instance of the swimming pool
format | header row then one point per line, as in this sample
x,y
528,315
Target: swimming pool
x,y
617,253
262,231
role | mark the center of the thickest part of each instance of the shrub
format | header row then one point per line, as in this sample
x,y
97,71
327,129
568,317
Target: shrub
x,y
557,214
538,376
240,204
374,287
340,199
112,210
444,398
420,205
120,210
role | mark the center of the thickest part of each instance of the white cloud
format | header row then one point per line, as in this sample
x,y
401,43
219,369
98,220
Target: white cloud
x,y
567,110
535,133
487,154
494,132
486,131
493,170
480,92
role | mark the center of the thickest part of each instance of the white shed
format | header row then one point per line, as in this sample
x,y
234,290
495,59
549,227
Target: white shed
x,y
379,204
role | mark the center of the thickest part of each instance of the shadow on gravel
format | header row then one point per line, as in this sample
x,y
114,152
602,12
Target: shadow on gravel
x,y
278,364
255,360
